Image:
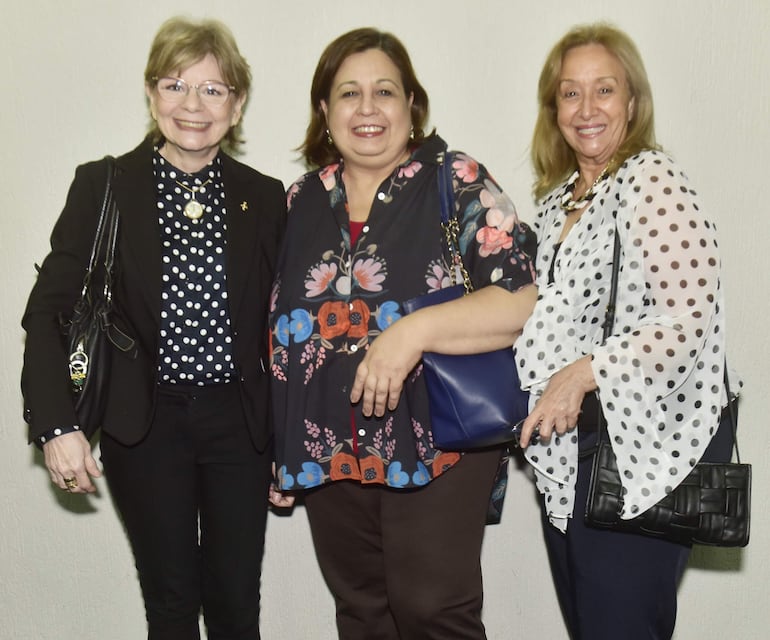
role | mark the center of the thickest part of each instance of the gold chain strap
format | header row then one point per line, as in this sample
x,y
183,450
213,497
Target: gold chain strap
x,y
451,232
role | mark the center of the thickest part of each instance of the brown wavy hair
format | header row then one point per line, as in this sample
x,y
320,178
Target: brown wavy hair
x,y
181,42
552,158
316,149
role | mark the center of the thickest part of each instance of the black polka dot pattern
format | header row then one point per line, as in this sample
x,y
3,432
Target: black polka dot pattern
x,y
660,373
195,344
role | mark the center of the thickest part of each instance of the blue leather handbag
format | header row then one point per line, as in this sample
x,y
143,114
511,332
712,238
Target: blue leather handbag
x,y
475,400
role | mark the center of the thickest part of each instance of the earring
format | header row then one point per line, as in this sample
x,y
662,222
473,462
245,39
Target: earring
x,y
411,133
329,137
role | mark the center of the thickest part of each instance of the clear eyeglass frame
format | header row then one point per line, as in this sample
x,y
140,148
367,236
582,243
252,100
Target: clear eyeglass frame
x,y
210,92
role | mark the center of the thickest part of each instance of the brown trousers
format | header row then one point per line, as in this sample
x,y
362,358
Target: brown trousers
x,y
405,564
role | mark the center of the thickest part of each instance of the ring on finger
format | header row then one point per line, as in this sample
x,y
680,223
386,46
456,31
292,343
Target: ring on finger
x,y
70,483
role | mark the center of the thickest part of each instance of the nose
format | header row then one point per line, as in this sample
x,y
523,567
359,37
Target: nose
x,y
366,104
587,105
192,100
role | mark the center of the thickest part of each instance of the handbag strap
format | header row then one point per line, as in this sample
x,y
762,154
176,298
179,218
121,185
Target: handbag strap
x,y
107,218
607,326
449,221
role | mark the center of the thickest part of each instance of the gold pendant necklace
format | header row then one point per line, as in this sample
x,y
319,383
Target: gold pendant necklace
x,y
193,209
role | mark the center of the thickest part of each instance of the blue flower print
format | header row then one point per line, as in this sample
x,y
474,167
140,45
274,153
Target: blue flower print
x,y
311,475
387,314
396,477
421,476
301,325
286,480
283,330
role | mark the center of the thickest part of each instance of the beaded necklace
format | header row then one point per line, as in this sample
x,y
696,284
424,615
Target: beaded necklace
x,y
569,204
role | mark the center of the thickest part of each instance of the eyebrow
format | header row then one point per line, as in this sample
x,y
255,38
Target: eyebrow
x,y
600,79
356,83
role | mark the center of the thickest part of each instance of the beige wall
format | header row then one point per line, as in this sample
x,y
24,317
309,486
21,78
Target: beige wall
x,y
72,91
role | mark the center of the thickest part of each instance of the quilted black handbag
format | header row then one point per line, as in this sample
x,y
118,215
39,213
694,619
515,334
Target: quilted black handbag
x,y
710,507
89,332
476,399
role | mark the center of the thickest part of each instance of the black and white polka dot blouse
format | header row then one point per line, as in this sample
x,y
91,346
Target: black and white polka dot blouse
x,y
195,341
660,374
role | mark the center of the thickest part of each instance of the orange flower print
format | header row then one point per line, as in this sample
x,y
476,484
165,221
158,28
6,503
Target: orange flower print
x,y
372,470
333,319
359,319
343,466
443,461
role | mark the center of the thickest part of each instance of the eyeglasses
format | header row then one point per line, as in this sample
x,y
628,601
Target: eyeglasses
x,y
211,92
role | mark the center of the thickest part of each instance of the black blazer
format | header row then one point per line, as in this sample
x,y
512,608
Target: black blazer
x,y
256,208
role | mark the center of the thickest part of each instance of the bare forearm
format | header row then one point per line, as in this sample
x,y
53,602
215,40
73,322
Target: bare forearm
x,y
490,318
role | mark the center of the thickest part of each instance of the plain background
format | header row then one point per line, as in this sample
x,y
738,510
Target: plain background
x,y
72,91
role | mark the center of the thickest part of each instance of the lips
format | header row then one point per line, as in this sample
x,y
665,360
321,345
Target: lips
x,y
591,131
368,129
187,124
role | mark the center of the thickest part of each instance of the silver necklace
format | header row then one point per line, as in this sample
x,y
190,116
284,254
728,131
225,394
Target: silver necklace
x,y
193,209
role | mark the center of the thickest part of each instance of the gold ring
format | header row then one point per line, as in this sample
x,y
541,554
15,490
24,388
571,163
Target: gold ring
x,y
71,483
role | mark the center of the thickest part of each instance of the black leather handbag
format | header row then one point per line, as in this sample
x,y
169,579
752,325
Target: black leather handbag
x,y
89,332
475,400
710,507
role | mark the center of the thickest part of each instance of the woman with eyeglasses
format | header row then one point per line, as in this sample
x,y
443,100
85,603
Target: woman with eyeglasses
x,y
185,440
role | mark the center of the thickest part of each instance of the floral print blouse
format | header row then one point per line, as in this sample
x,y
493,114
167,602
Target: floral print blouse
x,y
331,300
660,372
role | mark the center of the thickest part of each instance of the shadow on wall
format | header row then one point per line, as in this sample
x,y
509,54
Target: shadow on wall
x,y
716,559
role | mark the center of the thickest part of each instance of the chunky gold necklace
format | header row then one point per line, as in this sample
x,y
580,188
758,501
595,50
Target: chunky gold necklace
x,y
569,204
193,209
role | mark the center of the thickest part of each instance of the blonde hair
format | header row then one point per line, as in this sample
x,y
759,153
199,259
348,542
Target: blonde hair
x,y
180,43
552,158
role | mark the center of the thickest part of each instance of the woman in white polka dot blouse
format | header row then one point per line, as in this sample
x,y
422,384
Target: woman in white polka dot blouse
x,y
658,379
185,439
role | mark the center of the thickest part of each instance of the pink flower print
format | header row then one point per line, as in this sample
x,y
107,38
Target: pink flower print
x,y
501,213
274,295
320,278
292,192
466,168
369,274
492,240
409,170
437,277
314,448
312,429
327,176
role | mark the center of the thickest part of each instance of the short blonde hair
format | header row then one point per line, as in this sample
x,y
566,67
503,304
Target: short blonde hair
x,y
180,43
552,157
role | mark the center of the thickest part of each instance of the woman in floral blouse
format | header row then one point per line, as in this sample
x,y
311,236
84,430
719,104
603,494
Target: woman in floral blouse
x,y
399,540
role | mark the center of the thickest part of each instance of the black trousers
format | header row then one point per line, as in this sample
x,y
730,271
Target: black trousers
x,y
612,585
193,499
405,565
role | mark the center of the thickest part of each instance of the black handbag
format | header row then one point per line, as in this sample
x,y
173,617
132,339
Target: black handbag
x,y
475,400
710,507
89,332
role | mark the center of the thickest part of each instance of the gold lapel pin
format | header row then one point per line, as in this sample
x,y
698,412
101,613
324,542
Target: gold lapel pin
x,y
244,205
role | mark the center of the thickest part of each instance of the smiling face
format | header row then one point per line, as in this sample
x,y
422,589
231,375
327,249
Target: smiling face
x,y
594,106
193,130
368,112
